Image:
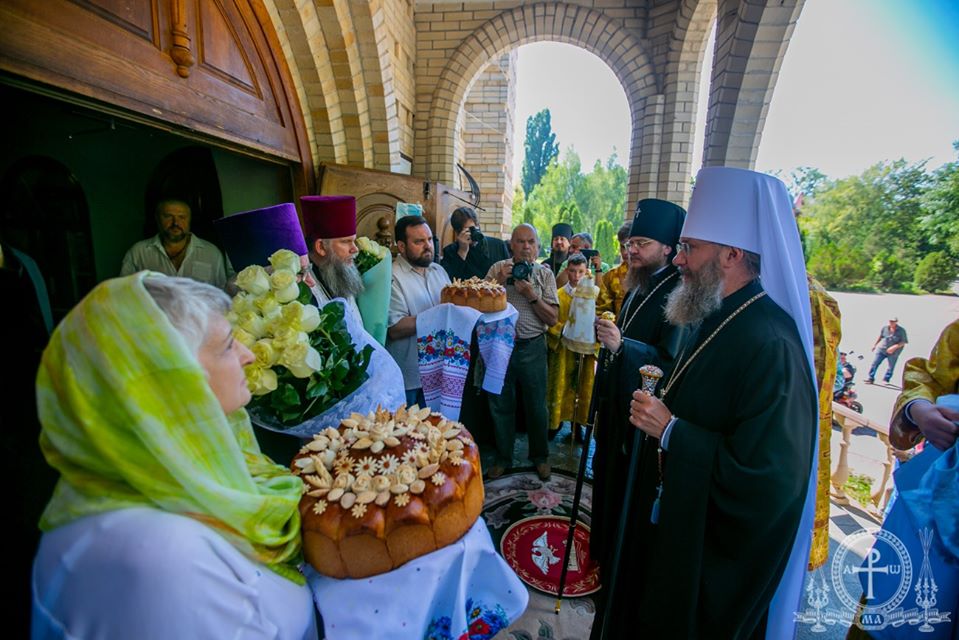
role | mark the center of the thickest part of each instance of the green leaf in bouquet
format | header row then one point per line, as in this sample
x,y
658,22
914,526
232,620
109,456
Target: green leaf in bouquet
x,y
285,397
317,387
366,356
332,315
341,369
365,261
359,363
340,334
291,418
306,296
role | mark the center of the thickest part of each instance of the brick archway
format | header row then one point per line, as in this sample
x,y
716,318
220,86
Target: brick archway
x,y
562,22
343,75
751,42
694,20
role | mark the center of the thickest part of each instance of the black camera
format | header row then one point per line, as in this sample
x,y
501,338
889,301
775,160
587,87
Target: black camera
x,y
589,254
475,234
521,271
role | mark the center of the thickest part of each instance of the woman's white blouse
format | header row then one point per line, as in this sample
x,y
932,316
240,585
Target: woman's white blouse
x,y
144,573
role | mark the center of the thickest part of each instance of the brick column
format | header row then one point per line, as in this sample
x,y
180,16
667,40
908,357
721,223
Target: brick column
x,y
751,41
485,137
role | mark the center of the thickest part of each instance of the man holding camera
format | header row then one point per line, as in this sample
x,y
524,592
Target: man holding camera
x,y
531,288
472,253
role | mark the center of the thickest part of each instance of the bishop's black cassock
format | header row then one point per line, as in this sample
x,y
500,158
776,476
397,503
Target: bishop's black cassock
x,y
734,483
647,339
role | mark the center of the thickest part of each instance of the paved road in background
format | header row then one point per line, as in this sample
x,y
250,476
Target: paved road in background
x,y
864,314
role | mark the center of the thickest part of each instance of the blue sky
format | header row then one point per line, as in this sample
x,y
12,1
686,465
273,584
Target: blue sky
x,y
862,81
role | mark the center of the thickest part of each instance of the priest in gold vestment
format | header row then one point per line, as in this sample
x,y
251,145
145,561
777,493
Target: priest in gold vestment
x,y
612,289
568,373
826,333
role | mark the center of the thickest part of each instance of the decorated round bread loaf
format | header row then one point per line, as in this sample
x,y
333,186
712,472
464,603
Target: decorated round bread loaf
x,y
383,489
485,296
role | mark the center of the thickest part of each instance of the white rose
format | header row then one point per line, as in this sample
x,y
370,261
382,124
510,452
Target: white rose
x,y
252,323
310,319
304,317
244,337
260,381
301,359
285,337
285,260
254,279
267,305
242,302
284,286
266,355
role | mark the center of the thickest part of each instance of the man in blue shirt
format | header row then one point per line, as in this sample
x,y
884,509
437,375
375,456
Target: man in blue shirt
x,y
892,338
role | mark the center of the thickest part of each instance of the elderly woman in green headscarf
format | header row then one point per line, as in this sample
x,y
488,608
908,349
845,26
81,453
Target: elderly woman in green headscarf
x,y
168,521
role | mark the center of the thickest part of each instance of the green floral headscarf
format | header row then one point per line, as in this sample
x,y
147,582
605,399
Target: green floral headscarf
x,y
129,421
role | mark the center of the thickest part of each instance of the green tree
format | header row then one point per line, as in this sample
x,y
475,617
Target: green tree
x,y
936,272
569,213
872,220
541,149
605,241
601,194
519,205
838,268
565,194
807,181
940,219
889,271
555,190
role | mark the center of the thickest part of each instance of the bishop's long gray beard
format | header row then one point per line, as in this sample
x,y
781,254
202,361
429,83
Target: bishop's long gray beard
x,y
343,280
696,296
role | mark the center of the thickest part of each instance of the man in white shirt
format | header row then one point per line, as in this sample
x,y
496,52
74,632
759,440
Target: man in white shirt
x,y
417,283
175,251
329,223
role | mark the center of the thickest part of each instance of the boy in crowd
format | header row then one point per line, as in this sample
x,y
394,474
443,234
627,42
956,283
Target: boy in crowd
x,y
565,379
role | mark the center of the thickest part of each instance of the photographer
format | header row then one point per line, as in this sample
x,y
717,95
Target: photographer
x,y
531,288
472,253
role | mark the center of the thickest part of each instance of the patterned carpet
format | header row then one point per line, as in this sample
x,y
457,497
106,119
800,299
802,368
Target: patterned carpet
x,y
522,494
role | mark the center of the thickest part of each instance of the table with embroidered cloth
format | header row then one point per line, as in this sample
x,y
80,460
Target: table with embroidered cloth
x,y
464,590
444,334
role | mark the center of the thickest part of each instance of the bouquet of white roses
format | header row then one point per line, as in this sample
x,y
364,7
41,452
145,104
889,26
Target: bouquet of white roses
x,y
377,272
370,254
305,358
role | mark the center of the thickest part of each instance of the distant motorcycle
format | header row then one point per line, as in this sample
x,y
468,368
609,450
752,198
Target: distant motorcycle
x,y
847,395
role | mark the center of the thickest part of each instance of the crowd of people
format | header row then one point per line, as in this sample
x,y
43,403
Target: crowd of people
x,y
704,490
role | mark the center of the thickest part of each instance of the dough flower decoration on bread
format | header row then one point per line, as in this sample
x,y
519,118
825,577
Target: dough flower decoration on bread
x,y
383,488
485,296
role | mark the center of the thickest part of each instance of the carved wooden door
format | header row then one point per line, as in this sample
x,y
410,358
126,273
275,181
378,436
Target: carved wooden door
x,y
209,66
